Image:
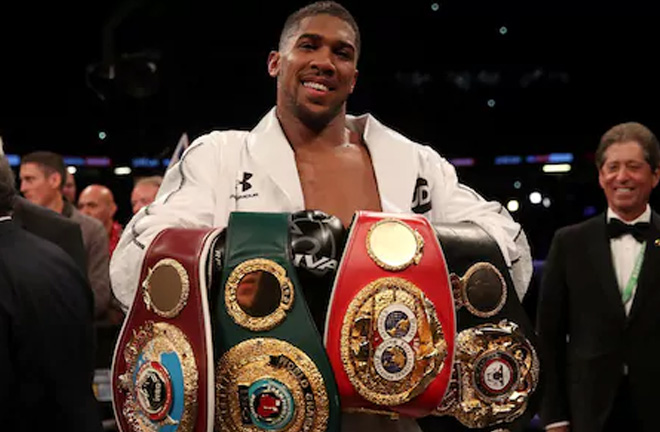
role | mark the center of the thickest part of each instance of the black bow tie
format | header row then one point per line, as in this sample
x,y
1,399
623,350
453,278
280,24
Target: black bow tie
x,y
616,228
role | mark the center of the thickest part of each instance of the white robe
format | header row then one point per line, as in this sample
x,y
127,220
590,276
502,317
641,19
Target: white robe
x,y
256,171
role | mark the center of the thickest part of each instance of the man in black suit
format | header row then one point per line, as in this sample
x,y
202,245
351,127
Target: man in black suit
x,y
46,331
599,306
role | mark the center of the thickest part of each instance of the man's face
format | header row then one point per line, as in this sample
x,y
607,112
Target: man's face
x,y
37,186
627,179
143,195
316,69
97,203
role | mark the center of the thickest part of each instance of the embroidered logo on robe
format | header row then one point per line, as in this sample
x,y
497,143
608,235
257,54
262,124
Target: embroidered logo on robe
x,y
421,202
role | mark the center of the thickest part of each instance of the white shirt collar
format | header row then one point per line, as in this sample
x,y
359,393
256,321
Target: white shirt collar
x,y
644,217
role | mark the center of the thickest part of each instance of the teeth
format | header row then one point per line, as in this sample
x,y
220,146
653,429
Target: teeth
x,y
315,86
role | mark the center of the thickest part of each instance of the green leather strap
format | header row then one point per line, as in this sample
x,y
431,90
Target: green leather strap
x,y
266,235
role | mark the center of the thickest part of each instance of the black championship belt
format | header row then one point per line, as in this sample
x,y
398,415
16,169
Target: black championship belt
x,y
496,370
272,371
162,369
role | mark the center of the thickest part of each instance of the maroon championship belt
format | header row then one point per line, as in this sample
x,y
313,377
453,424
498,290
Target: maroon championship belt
x,y
162,369
391,322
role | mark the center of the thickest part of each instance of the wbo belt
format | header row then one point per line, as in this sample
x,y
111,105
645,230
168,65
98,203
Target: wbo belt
x,y
162,373
272,372
391,321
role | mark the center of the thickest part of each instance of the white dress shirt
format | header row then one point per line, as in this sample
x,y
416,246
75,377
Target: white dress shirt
x,y
625,250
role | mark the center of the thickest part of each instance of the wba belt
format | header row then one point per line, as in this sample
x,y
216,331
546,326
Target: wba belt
x,y
391,323
272,372
162,374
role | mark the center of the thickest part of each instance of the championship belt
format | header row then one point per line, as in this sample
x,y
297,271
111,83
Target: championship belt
x,y
162,373
272,371
391,325
496,370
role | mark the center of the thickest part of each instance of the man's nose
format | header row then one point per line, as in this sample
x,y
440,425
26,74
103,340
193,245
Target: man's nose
x,y
323,61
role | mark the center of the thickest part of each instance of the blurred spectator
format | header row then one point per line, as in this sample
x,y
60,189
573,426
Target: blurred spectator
x,y
98,202
46,331
41,176
69,190
144,192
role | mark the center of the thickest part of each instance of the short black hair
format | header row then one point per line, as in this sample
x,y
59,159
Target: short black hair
x,y
7,187
48,161
320,8
626,132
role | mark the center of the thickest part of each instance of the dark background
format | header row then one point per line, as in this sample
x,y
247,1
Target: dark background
x,y
562,74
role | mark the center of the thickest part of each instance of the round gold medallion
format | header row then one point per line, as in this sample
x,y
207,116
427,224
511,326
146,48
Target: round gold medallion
x,y
393,245
269,384
166,288
258,294
161,379
392,344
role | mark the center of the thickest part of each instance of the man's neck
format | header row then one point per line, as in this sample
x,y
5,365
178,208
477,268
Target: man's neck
x,y
303,137
628,216
56,204
108,227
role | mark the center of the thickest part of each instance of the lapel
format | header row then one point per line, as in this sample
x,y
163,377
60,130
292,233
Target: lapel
x,y
269,147
601,257
649,275
392,155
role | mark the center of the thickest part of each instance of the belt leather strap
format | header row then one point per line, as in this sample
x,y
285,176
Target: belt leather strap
x,y
375,365
162,372
261,241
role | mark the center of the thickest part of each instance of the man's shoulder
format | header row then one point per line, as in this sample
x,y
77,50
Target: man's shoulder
x,y
576,230
31,215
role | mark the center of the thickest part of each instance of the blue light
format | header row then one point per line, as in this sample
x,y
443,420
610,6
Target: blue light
x,y
13,159
560,157
74,160
508,160
145,163
462,162
435,7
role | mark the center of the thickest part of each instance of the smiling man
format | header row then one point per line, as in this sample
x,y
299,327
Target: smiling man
x,y
598,310
308,154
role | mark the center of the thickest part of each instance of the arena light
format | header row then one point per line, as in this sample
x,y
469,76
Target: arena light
x,y
546,202
123,170
535,197
513,205
71,169
556,168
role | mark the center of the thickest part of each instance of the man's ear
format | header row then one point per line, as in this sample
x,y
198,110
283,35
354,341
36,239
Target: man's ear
x,y
55,180
355,77
274,63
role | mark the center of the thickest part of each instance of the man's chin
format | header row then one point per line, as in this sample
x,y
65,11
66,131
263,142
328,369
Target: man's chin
x,y
317,117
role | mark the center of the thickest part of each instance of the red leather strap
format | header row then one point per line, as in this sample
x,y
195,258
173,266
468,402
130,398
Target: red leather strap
x,y
357,269
186,247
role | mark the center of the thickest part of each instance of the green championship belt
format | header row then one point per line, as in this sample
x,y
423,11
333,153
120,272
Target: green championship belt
x,y
272,371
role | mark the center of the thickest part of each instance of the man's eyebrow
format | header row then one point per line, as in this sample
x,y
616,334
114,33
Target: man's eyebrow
x,y
317,37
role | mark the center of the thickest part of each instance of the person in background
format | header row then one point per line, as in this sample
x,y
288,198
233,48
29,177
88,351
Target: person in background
x,y
46,331
42,174
144,192
98,202
599,304
69,190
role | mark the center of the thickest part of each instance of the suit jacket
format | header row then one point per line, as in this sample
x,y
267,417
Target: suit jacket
x,y
46,337
95,239
587,340
53,227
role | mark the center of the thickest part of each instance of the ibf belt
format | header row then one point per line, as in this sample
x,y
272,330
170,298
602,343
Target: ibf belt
x,y
391,322
272,371
162,371
496,371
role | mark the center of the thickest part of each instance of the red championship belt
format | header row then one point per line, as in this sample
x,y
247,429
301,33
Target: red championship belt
x,y
391,323
162,369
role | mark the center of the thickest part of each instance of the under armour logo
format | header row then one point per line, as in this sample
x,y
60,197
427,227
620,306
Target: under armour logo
x,y
244,183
